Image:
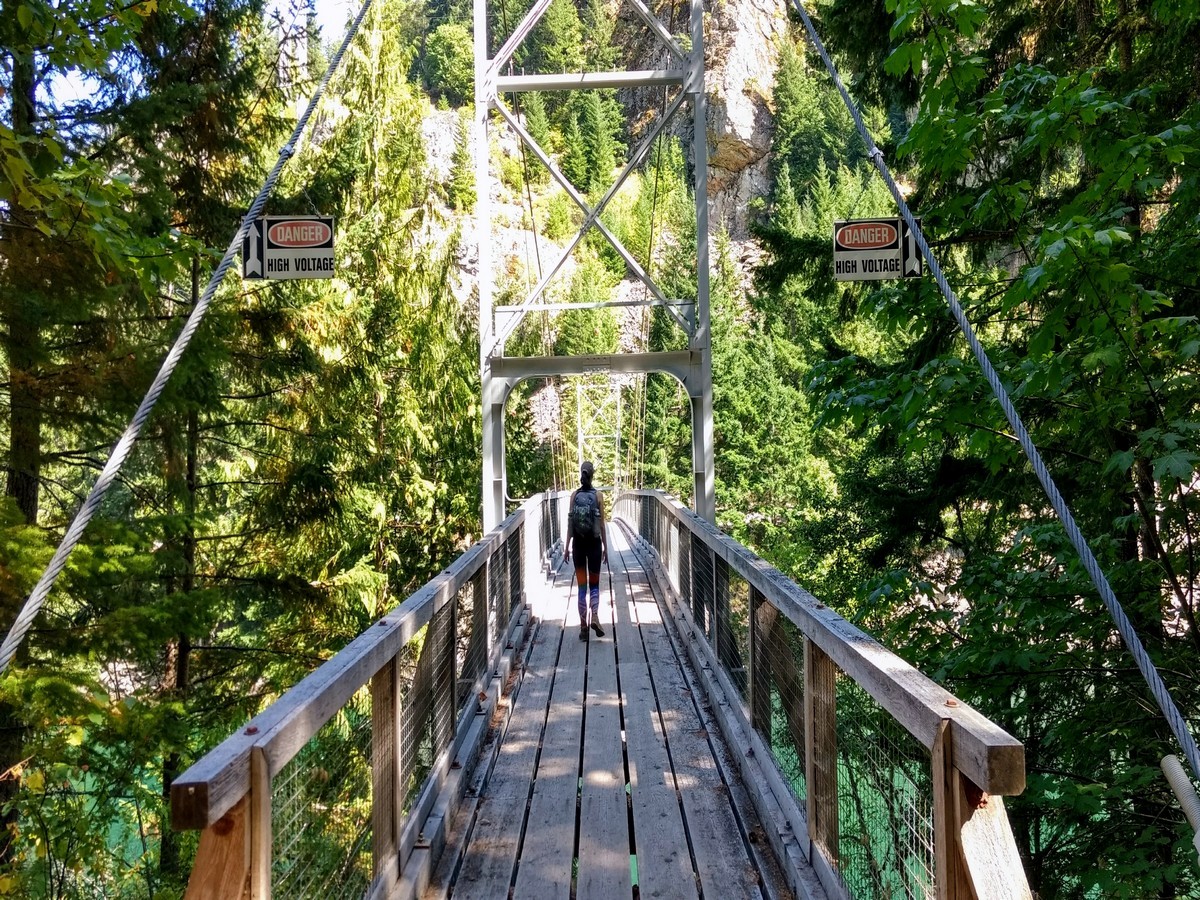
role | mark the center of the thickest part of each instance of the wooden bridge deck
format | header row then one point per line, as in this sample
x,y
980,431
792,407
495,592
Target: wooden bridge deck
x,y
611,778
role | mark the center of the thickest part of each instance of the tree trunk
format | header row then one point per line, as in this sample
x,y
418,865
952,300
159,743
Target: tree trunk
x,y
23,335
177,676
22,341
1125,36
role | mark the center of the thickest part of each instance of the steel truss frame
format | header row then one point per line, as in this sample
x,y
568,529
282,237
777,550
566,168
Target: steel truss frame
x,y
499,373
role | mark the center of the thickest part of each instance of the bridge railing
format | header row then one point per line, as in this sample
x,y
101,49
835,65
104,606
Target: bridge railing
x,y
345,785
887,784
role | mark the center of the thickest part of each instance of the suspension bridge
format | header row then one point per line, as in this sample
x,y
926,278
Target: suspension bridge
x,y
729,736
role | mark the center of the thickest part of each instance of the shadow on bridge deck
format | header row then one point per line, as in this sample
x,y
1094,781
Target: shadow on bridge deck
x,y
610,778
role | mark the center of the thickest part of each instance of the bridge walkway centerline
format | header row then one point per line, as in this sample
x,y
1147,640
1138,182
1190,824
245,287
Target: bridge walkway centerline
x,y
610,771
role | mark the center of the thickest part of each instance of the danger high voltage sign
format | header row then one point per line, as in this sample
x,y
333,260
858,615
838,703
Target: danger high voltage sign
x,y
875,249
288,247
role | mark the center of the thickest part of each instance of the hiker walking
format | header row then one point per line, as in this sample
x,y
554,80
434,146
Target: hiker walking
x,y
587,530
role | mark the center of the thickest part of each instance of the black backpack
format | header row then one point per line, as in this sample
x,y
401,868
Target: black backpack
x,y
585,514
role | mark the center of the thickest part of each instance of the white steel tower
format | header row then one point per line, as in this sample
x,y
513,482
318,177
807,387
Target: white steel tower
x,y
500,373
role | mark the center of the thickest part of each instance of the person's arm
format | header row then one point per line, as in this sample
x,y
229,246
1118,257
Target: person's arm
x,y
603,528
567,545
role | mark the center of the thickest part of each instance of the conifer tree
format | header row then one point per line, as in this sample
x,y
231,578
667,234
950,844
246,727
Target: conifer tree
x,y
557,42
599,147
1031,163
461,193
574,162
450,63
533,107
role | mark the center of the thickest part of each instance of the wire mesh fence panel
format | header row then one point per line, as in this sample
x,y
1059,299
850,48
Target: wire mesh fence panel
x,y
416,708
470,634
684,573
778,673
703,586
445,707
732,624
515,546
885,802
321,810
645,518
497,590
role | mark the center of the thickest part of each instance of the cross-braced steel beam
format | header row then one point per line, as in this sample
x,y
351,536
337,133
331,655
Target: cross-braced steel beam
x,y
499,374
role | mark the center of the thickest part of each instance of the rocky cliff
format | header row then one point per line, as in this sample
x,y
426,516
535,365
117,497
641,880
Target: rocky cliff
x,y
742,39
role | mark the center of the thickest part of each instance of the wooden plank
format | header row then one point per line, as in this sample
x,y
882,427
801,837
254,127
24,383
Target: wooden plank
x,y
983,751
989,852
722,868
384,732
222,867
261,834
604,871
664,865
491,855
544,869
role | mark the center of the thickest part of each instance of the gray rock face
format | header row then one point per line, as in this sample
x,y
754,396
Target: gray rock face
x,y
741,57
742,39
439,132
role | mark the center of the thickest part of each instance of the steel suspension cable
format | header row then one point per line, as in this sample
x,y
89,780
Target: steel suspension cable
x,y
124,446
1129,635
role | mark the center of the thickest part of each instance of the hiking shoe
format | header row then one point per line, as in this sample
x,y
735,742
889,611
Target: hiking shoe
x,y
583,635
596,628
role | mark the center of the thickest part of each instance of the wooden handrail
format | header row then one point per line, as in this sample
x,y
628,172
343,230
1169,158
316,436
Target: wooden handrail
x,y
984,752
210,788
228,793
972,762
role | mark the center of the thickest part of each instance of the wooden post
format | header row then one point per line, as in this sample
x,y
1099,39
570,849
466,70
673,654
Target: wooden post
x,y
222,867
759,682
820,749
976,856
260,825
947,870
385,735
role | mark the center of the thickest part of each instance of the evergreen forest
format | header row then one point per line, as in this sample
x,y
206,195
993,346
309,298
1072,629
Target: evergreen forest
x,y
316,456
